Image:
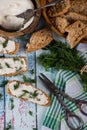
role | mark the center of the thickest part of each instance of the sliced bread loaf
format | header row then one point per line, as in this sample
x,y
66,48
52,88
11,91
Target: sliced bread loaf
x,y
39,39
59,9
76,16
60,23
76,32
13,66
79,6
27,92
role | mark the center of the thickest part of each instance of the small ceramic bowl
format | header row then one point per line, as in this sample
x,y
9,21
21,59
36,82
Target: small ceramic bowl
x,y
47,18
27,30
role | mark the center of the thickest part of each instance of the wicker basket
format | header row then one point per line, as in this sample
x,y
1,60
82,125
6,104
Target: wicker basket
x,y
43,2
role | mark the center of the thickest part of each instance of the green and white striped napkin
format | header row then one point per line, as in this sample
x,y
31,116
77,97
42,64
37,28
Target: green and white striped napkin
x,y
68,82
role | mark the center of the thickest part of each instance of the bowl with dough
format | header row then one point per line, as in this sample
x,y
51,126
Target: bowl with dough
x,y
9,20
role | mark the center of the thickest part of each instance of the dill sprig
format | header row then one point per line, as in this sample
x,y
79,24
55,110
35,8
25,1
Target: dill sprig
x,y
28,80
5,43
4,82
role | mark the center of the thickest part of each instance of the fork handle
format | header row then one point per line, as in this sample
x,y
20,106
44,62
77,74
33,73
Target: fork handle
x,y
48,5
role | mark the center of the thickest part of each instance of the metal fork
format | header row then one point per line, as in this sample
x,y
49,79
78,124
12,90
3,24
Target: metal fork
x,y
31,12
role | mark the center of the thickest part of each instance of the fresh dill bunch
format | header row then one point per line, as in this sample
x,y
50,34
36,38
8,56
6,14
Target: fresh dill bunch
x,y
61,57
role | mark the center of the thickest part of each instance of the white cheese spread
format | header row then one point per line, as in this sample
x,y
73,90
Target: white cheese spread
x,y
6,46
12,65
28,92
14,7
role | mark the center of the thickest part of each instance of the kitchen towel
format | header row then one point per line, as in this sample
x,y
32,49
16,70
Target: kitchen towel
x,y
70,83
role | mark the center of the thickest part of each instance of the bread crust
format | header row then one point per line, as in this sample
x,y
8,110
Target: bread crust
x,y
19,72
76,32
39,40
60,23
16,49
79,6
59,9
27,84
76,16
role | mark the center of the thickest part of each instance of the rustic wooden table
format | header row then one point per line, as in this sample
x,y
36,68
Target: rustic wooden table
x,y
22,115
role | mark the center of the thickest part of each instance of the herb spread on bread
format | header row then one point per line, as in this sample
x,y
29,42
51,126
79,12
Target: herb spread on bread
x,y
8,46
9,66
27,92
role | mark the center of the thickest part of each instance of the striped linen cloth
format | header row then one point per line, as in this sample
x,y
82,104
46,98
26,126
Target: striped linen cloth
x,y
69,82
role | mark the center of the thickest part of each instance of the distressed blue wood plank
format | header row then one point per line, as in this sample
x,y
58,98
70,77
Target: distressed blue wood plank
x,y
2,110
19,116
41,109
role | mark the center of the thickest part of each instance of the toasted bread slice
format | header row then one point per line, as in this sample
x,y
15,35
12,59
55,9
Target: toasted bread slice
x,y
8,46
76,32
59,9
27,92
76,16
79,6
60,23
39,40
13,66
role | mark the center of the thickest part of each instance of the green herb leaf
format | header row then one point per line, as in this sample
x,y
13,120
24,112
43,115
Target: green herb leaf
x,y
0,95
25,91
12,103
35,94
21,96
32,71
22,62
5,43
30,113
8,66
4,82
9,127
16,59
34,129
18,69
31,95
16,85
28,80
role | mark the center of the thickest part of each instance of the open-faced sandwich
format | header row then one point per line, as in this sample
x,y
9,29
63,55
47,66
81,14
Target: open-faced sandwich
x,y
8,46
27,92
13,66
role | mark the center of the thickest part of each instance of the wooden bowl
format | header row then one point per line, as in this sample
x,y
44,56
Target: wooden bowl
x,y
47,18
29,29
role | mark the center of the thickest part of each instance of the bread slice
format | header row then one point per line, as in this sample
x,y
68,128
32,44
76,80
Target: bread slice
x,y
8,46
27,92
13,66
76,32
39,40
79,6
60,23
76,16
59,9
